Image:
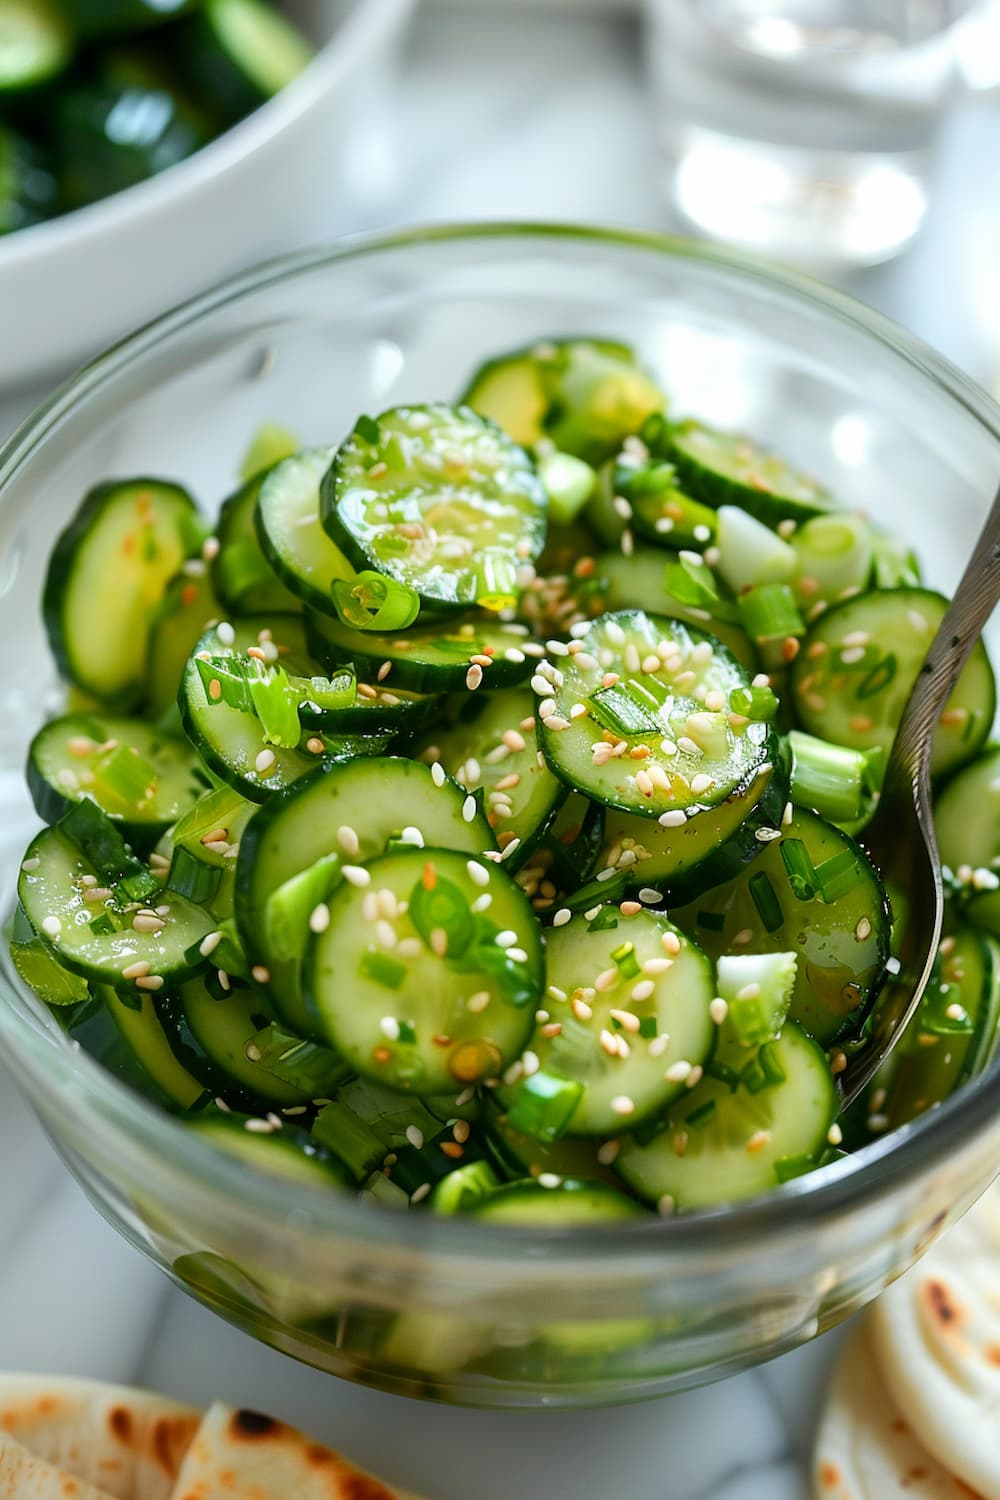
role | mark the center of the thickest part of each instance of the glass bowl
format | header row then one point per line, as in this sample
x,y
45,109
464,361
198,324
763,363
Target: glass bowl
x,y
448,1308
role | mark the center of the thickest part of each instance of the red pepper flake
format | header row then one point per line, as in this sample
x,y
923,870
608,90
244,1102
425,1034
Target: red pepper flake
x,y
382,1054
452,1149
428,879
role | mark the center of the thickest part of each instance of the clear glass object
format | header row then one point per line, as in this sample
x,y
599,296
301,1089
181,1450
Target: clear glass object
x,y
444,1307
802,128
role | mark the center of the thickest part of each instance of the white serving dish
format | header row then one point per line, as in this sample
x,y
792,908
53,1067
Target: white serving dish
x,y
286,175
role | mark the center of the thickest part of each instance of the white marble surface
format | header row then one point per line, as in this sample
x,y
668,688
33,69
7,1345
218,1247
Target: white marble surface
x,y
539,118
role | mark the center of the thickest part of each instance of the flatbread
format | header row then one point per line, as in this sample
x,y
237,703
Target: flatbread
x,y
130,1443
25,1477
241,1455
864,1449
937,1339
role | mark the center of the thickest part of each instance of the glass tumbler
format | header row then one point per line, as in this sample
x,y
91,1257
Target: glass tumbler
x,y
803,129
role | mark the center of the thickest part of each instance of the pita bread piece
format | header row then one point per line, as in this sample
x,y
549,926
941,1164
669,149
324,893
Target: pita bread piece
x,y
241,1455
864,1449
25,1477
128,1442
937,1340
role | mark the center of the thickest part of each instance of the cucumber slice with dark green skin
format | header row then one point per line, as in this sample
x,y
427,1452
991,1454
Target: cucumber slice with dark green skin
x,y
656,736
240,53
52,886
143,779
39,970
681,863
290,534
812,892
120,17
439,500
858,663
136,1019
428,658
353,809
178,622
565,1204
244,579
393,998
648,990
28,189
108,137
201,850
565,854
585,395
726,468
639,582
107,570
658,509
495,752
233,744
518,1155
721,1144
287,1152
220,1036
954,1032
967,821
36,44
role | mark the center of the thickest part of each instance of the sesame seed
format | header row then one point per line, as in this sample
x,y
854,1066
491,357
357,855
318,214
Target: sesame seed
x,y
718,1010
474,677
541,685
655,966
629,908
252,1052
261,974
415,1136
625,1018
767,835
673,819
863,929
581,1010
437,773
223,979
702,783
745,935
562,916
835,1135
264,761
419,1194
150,982
877,1122
209,944
348,839
678,1071
482,903
659,1044
384,671
226,633
758,1141
319,918
28,865
607,1153
146,922
671,944
623,1105
96,893
478,1002
505,939
509,848
356,875
438,940
607,979
469,809
665,1205
258,1127
643,990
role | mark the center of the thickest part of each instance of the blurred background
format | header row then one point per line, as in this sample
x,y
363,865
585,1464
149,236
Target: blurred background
x,y
859,139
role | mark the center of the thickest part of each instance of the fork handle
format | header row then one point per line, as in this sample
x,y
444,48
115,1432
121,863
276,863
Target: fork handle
x,y
970,608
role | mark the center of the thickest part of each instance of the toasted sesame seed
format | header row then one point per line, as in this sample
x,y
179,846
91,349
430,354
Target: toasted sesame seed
x,y
258,1127
607,1153
478,1002
319,918
625,1019
629,908
607,979
675,818
209,944
671,944
97,893
419,1194
348,839
745,935
415,1136
469,809
581,1010
146,922
863,929
137,970
643,990
150,982
474,677
758,1141
655,966
718,1010
678,1071
223,978
356,875
623,1105
438,940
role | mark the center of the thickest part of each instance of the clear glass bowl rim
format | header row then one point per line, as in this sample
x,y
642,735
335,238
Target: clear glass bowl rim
x,y
796,1207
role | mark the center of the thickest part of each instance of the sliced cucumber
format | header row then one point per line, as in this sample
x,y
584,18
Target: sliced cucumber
x,y
428,658
495,752
36,44
680,863
640,718
392,991
96,937
648,990
967,820
236,746
723,1143
439,500
271,442
567,1203
814,893
290,533
509,391
240,53
353,808
569,847
224,1038
287,1152
202,847
109,136
726,468
658,509
49,980
858,664
188,607
244,579
107,572
519,1155
639,582
137,1022
144,780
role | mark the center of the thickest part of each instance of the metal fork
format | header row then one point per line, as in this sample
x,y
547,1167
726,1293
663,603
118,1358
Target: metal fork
x,y
900,838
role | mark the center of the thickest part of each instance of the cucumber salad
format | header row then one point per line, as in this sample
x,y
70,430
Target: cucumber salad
x,y
473,817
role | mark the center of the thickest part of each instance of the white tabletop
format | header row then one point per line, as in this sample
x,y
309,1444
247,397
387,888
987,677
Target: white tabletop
x,y
544,118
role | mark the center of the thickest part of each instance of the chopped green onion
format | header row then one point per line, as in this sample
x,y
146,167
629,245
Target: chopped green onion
x,y
496,581
268,446
102,925
765,899
701,1115
833,553
751,555
383,969
351,1140
569,484
243,568
757,988
757,703
123,779
838,783
895,564
229,954
619,709
442,908
276,704
463,1188
723,1073
837,876
103,847
407,1033
649,1028
878,678
770,1061
340,691
368,430
195,878
305,1065
798,868
544,1105
606,919
626,962
692,583
375,602
712,921
770,613
789,1167
288,909
752,1076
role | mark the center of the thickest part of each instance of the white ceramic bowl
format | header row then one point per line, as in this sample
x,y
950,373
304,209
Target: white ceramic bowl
x,y
287,174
